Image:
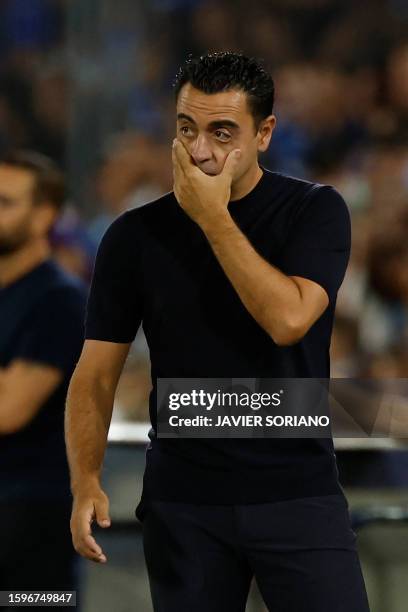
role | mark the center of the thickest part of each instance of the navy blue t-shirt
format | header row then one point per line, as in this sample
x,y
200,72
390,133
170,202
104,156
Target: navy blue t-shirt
x,y
155,265
42,321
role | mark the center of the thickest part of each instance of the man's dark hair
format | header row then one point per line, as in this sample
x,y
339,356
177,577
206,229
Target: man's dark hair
x,y
49,181
216,72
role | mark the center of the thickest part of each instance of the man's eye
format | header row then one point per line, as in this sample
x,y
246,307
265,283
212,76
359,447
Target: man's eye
x,y
185,130
224,136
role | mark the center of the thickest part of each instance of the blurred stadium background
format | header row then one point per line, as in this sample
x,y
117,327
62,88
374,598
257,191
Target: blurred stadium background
x,y
89,84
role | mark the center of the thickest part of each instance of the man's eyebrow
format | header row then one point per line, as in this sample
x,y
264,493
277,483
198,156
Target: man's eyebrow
x,y
213,125
186,117
223,123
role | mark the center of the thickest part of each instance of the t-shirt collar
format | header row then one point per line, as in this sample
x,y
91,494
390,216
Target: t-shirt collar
x,y
251,195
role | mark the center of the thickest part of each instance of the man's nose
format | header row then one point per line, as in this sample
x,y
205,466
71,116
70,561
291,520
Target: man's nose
x,y
200,150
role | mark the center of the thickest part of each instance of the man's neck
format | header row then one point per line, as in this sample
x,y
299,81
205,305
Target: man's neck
x,y
246,183
18,264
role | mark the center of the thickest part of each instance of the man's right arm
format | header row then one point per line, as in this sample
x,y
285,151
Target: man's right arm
x,y
87,419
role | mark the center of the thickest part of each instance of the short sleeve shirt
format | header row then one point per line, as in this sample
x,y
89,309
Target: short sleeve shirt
x,y
155,266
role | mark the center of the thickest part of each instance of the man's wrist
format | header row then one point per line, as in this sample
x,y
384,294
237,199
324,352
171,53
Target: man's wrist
x,y
218,226
85,482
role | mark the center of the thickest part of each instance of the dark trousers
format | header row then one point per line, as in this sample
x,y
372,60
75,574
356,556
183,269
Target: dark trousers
x,y
301,552
36,551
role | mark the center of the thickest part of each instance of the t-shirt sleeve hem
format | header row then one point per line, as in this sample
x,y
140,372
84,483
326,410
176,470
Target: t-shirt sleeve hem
x,y
104,337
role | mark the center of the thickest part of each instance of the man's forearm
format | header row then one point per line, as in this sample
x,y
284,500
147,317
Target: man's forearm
x,y
87,418
272,298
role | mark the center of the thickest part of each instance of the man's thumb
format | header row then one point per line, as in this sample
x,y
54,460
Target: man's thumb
x,y
102,515
231,162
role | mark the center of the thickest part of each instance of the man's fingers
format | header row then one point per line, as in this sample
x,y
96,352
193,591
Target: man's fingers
x,y
86,519
89,548
177,169
231,163
81,520
181,156
86,545
91,552
90,543
102,512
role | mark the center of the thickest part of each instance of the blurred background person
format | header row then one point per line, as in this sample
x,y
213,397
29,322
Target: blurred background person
x,y
41,321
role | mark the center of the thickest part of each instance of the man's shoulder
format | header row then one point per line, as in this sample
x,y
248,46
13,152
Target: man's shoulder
x,y
127,225
307,196
57,291
61,282
45,282
293,185
160,206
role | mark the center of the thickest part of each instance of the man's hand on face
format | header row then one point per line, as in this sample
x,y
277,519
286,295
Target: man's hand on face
x,y
204,198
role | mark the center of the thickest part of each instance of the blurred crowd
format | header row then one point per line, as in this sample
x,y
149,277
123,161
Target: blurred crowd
x,y
90,85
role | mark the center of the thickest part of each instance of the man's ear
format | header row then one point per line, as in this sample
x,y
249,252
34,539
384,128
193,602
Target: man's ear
x,y
265,130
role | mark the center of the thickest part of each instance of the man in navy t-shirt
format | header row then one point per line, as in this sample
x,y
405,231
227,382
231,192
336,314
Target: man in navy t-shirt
x,y
234,274
41,334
